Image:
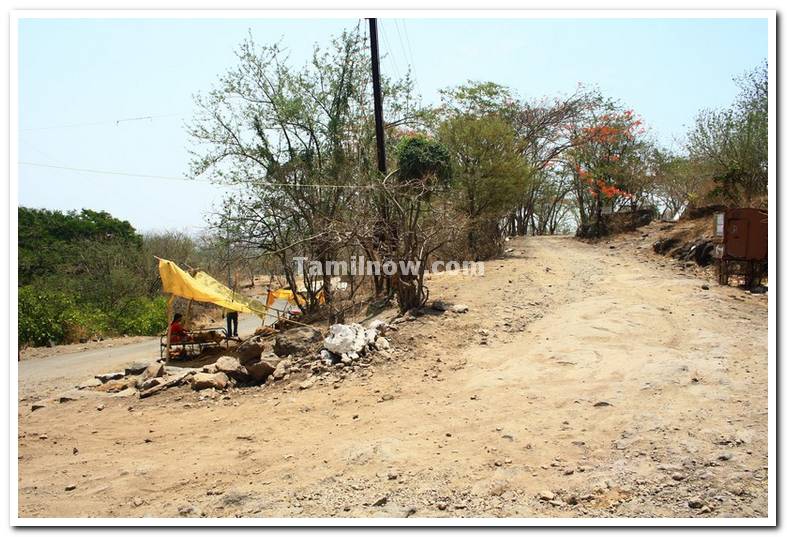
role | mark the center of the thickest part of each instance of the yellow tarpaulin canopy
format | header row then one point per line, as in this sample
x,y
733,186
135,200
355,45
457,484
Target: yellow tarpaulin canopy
x,y
204,288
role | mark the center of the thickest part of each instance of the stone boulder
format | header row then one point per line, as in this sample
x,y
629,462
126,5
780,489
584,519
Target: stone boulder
x,y
282,368
119,385
232,368
106,377
155,369
136,368
297,341
344,338
203,381
380,326
263,367
89,383
249,351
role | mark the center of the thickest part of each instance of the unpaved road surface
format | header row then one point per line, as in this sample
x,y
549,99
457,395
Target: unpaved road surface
x,y
583,381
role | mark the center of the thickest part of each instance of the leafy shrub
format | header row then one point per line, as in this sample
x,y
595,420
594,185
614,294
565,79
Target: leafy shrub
x,y
43,315
421,158
143,317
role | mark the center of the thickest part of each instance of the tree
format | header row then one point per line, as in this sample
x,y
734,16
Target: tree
x,y
419,221
489,175
733,142
299,145
608,160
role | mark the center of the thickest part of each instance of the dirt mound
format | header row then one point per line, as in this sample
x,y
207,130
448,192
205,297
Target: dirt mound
x,y
615,223
690,239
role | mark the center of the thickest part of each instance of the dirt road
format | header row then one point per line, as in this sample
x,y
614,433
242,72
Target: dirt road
x,y
583,381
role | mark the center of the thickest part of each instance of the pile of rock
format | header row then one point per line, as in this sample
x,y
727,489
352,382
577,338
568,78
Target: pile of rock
x,y
296,351
347,343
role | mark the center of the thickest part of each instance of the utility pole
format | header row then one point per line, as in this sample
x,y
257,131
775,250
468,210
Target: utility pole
x,y
378,97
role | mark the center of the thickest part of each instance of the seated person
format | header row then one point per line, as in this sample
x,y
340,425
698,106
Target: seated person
x,y
178,334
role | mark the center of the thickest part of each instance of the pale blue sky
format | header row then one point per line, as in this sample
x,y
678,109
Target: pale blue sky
x,y
73,72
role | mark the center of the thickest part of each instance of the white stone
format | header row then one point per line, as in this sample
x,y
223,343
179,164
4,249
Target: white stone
x,y
344,338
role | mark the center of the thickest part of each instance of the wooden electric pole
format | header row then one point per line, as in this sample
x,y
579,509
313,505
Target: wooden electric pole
x,y
378,97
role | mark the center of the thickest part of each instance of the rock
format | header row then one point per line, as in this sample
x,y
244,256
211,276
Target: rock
x,y
137,501
440,305
602,404
249,351
725,456
114,386
37,406
381,501
202,381
705,286
460,308
546,495
71,487
380,326
151,382
308,383
232,368
344,338
282,368
382,344
189,511
68,397
370,336
297,341
100,407
210,368
696,502
261,369
155,369
678,477
89,383
329,358
136,368
128,392
106,377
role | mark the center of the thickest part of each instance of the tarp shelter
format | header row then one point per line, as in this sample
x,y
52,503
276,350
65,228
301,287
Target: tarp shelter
x,y
204,288
281,303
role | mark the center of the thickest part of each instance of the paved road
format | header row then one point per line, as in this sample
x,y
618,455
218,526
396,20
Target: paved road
x,y
61,372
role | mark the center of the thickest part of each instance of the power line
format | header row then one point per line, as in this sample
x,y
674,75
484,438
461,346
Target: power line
x,y
412,58
176,178
105,122
390,52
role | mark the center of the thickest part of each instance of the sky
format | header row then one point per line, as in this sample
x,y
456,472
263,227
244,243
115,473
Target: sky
x,y
82,81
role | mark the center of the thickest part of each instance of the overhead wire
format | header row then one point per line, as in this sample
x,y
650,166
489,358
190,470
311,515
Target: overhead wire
x,y
389,51
103,122
412,57
408,57
180,178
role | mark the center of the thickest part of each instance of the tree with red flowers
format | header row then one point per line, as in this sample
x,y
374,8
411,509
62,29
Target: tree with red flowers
x,y
608,162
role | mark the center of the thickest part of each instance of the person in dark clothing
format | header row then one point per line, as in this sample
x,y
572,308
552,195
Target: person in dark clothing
x,y
232,324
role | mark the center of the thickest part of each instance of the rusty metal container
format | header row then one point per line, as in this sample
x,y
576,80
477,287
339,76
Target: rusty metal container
x,y
745,235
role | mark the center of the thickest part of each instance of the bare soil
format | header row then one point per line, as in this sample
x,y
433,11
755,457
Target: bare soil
x,y
584,381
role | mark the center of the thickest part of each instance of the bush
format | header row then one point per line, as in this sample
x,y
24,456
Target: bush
x,y
48,316
143,317
423,159
43,315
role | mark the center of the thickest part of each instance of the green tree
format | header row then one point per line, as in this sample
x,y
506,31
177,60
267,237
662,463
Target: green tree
x,y
733,142
489,173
